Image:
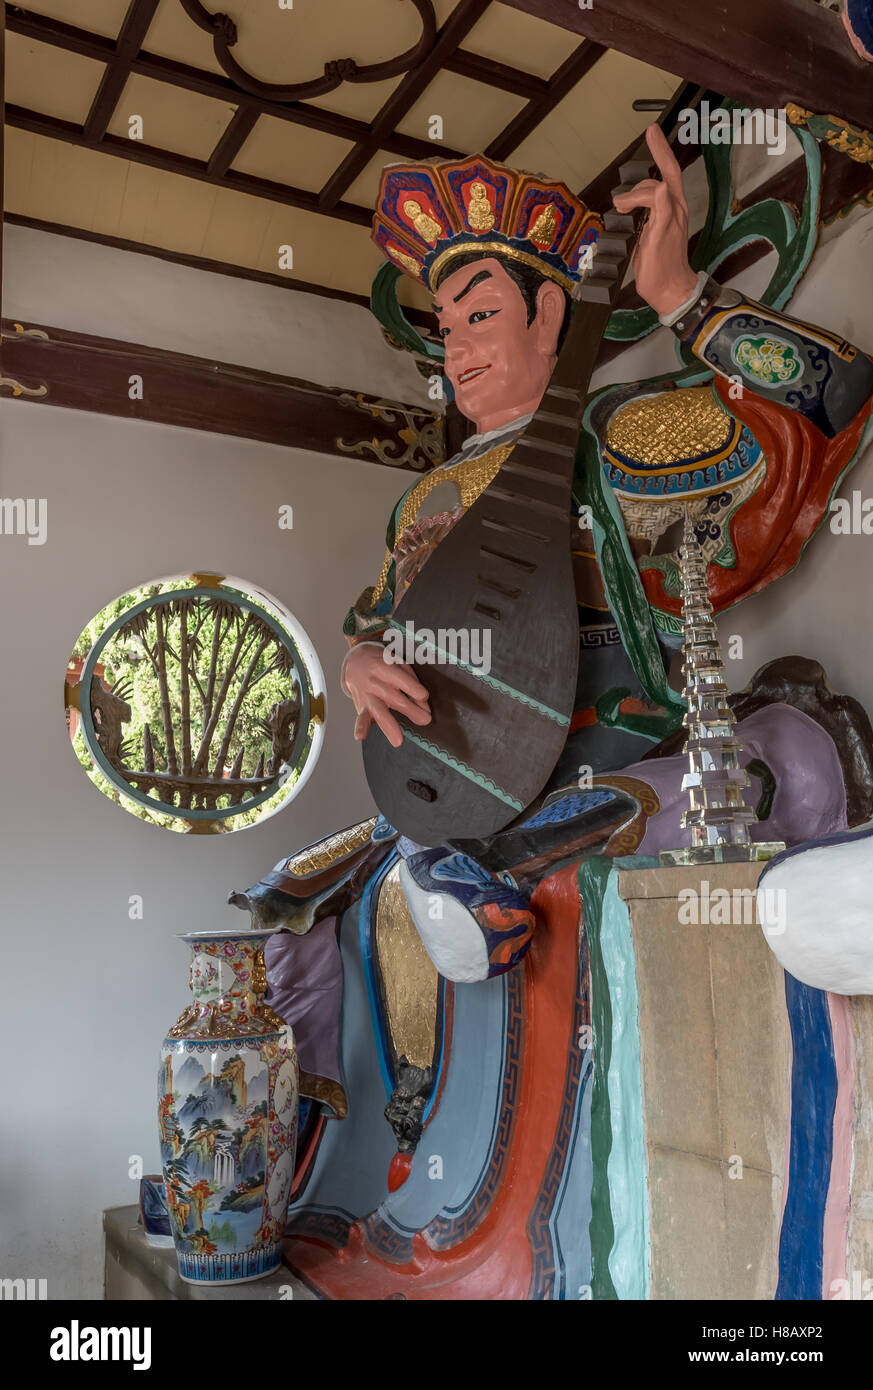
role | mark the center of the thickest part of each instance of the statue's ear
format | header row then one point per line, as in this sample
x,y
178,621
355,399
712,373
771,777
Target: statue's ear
x,y
550,315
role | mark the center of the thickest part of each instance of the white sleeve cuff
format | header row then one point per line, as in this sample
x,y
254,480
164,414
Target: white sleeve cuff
x,y
669,319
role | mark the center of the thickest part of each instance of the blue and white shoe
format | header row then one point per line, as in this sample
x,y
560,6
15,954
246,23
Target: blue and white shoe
x,y
472,923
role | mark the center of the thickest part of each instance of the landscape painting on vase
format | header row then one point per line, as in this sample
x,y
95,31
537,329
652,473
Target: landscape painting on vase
x,y
228,1121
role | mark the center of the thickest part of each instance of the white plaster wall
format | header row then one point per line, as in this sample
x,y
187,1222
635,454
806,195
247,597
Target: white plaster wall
x,y
63,282
87,993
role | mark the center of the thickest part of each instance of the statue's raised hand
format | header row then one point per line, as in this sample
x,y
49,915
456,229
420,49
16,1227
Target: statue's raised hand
x,y
379,686
664,278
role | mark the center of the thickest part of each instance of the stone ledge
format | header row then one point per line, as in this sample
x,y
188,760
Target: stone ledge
x,y
136,1270
667,880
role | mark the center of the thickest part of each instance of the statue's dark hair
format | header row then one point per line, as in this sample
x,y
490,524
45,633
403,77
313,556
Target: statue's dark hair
x,y
527,277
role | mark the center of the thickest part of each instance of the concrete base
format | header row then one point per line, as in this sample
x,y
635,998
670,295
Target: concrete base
x,y
717,1067
135,1270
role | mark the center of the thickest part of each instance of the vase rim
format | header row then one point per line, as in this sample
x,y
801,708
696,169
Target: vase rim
x,y
225,934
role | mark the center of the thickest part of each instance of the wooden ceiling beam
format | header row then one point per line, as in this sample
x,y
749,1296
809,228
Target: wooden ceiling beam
x,y
571,71
295,112
494,74
766,54
238,130
133,31
185,165
449,38
208,84
84,372
60,35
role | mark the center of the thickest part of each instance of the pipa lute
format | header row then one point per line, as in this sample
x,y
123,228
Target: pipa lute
x,y
505,567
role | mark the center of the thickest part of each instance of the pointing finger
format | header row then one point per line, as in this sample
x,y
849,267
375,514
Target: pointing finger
x,y
666,162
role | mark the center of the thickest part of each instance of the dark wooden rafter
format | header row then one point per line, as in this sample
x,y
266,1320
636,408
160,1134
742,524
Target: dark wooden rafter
x,y
765,54
169,70
209,84
86,372
134,29
494,74
125,57
238,130
140,153
648,29
542,95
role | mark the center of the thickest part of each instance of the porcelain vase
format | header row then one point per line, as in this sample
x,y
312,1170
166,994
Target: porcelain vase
x,y
227,1115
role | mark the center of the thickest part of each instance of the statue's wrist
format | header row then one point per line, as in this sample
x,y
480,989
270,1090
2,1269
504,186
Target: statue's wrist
x,y
365,642
695,288
708,294
676,292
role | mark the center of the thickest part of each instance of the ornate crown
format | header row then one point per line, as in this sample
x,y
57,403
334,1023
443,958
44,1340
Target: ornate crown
x,y
429,213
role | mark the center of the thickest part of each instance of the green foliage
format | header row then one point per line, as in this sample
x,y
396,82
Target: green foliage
x,y
144,662
104,785
106,617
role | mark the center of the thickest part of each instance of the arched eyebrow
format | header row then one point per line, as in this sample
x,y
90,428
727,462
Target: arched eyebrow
x,y
471,285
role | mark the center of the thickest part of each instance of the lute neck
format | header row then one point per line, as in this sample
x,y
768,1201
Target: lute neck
x,y
595,299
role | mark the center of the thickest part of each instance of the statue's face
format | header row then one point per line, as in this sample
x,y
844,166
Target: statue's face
x,y
499,366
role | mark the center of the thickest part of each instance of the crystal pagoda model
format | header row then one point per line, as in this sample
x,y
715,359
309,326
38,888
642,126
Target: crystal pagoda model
x,y
718,815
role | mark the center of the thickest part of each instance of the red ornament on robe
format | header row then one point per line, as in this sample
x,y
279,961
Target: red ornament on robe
x,y
772,527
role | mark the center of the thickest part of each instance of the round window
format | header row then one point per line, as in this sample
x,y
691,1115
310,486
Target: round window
x,y
196,703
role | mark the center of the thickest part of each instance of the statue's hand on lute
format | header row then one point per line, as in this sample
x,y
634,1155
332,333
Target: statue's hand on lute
x,y
377,687
664,279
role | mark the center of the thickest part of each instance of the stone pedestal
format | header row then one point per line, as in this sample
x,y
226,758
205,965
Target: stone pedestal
x,y
135,1270
756,1114
715,1061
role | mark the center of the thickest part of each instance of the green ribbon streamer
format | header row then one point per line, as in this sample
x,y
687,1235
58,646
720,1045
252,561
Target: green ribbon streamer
x,y
593,877
626,597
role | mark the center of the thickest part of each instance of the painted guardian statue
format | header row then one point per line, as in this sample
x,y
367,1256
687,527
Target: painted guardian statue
x,y
444,981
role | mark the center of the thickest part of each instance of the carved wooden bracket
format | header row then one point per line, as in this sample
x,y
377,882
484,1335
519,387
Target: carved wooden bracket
x,y
225,36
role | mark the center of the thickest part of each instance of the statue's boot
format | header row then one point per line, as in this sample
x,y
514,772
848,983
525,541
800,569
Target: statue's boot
x,y
815,910
472,923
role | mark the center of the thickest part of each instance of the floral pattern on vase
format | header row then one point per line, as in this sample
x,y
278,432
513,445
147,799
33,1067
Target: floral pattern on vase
x,y
227,1115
